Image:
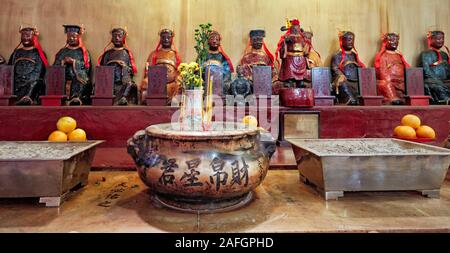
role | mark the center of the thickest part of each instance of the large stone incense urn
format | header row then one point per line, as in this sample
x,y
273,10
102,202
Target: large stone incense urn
x,y
202,171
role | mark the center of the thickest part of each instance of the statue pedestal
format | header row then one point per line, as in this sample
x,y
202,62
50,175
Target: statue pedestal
x,y
7,100
370,100
417,100
368,88
156,89
297,97
415,87
51,100
104,81
321,79
6,86
55,80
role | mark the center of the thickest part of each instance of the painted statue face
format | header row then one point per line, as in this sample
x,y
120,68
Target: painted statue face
x,y
257,42
26,37
437,41
348,41
118,38
214,41
166,40
392,42
73,39
295,29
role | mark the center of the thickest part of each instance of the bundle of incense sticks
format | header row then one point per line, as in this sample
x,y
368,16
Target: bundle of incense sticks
x,y
182,109
207,117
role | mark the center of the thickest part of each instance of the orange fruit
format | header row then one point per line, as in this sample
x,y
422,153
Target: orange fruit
x,y
250,120
425,132
411,120
57,136
66,124
405,132
77,135
397,129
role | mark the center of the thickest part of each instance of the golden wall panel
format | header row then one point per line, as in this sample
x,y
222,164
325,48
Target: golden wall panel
x,y
232,18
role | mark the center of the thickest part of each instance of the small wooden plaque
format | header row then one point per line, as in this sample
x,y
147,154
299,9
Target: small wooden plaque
x,y
6,80
414,82
321,79
104,82
55,80
262,80
367,82
157,81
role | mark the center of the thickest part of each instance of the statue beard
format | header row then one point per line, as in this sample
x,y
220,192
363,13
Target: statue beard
x,y
28,43
118,44
213,48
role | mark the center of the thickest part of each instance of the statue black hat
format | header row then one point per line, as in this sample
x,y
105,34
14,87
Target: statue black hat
x,y
73,28
258,33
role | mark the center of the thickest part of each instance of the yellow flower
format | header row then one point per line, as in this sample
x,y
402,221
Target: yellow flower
x,y
182,66
193,65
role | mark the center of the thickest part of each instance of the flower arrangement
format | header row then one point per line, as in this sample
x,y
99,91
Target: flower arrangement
x,y
190,76
192,115
201,42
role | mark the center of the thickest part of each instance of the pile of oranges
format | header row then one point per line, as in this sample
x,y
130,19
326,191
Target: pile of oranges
x,y
411,128
67,130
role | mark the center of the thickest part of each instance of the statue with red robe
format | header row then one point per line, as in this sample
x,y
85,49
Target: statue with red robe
x,y
166,55
344,69
29,63
121,58
293,49
77,63
217,59
436,68
256,54
390,68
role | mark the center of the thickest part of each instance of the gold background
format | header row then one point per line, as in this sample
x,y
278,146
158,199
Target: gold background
x,y
232,18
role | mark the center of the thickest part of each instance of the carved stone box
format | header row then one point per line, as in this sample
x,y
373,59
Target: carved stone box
x,y
335,166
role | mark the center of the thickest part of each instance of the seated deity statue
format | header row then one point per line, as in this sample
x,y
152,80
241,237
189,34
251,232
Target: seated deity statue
x,y
166,55
436,68
217,59
241,85
293,49
314,58
390,70
77,63
257,54
29,63
344,69
121,58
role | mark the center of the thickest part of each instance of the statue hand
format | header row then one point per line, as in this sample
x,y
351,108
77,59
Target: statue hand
x,y
68,60
341,79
